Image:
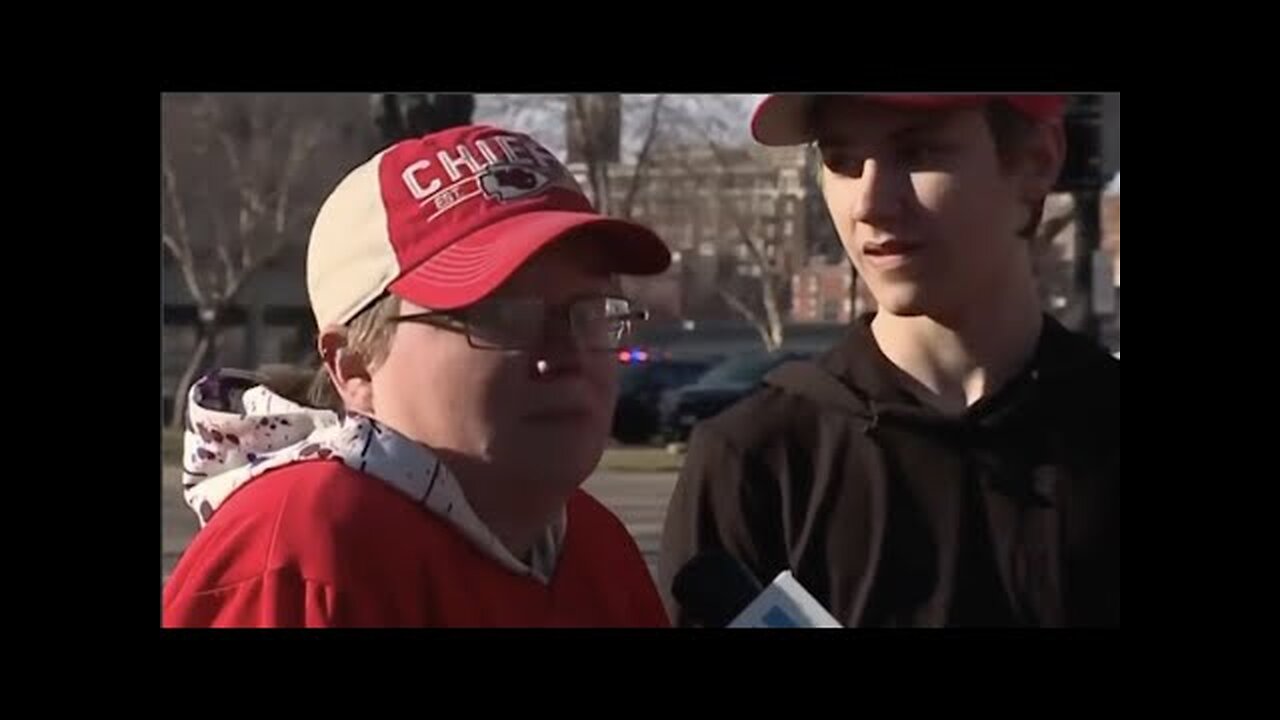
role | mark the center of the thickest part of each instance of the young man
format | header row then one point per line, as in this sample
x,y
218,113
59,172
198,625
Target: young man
x,y
956,459
469,310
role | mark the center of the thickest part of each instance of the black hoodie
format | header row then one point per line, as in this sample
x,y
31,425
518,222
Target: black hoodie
x,y
893,514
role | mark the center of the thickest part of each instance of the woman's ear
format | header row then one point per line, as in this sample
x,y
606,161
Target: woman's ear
x,y
347,370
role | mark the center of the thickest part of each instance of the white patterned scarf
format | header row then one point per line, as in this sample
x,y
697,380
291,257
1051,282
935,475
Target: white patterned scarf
x,y
237,430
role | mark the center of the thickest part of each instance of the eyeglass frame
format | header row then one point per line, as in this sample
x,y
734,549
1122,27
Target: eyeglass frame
x,y
456,320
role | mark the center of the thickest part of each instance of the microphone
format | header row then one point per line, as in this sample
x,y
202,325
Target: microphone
x,y
717,591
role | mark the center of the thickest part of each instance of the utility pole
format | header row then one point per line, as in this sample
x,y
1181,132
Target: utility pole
x,y
1082,177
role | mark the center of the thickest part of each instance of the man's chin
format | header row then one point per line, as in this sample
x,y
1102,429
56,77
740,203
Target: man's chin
x,y
902,304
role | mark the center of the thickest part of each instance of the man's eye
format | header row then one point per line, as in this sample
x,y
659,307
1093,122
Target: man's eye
x,y
843,163
922,154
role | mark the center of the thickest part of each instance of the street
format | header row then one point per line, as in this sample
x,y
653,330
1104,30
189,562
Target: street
x,y
638,498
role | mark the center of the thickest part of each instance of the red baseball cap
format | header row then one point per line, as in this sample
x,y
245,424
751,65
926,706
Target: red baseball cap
x,y
443,220
787,119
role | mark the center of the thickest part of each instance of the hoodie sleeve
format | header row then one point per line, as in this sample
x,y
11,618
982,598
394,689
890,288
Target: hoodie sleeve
x,y
726,500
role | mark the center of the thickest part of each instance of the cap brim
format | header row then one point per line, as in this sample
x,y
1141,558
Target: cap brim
x,y
781,120
788,119
472,268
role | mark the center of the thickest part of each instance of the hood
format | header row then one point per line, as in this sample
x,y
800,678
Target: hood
x,y
856,378
1000,435
237,429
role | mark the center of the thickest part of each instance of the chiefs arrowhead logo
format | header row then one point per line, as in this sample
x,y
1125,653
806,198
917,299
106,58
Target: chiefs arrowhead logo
x,y
508,182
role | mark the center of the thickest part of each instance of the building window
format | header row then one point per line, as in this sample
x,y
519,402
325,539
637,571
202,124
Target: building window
x,y
831,310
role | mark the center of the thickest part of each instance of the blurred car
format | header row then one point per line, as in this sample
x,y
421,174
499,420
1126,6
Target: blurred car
x,y
721,386
640,388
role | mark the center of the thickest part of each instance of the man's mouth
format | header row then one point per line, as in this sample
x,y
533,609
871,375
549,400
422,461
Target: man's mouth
x,y
891,248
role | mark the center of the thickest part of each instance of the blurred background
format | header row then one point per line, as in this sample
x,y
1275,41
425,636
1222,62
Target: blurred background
x,y
758,274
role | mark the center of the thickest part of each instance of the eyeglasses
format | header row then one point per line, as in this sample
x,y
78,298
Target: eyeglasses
x,y
595,322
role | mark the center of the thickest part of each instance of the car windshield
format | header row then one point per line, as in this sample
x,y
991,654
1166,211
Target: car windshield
x,y
659,373
744,369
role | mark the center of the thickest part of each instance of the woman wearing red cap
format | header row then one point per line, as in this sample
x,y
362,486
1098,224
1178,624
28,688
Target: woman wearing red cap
x,y
956,459
469,312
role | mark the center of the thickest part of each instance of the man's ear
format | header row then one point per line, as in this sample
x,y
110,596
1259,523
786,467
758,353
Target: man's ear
x,y
347,369
1045,153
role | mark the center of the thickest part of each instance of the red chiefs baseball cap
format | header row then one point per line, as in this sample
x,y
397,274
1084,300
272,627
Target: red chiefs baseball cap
x,y
443,220
788,119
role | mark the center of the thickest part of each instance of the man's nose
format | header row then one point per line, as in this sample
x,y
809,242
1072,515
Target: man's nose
x,y
881,192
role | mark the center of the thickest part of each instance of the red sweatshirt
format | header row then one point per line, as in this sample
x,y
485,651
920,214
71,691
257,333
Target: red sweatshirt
x,y
319,544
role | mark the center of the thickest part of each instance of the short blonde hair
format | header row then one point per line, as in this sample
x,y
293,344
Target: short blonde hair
x,y
369,335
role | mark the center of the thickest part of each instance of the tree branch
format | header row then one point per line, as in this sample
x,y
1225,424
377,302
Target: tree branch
x,y
180,248
229,273
305,142
249,195
737,304
756,321
171,245
771,327
298,147
754,246
744,232
228,143
637,175
585,137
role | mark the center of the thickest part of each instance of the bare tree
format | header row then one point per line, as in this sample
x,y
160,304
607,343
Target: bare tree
x,y
239,180
643,158
684,127
580,128
610,139
594,126
661,130
772,268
